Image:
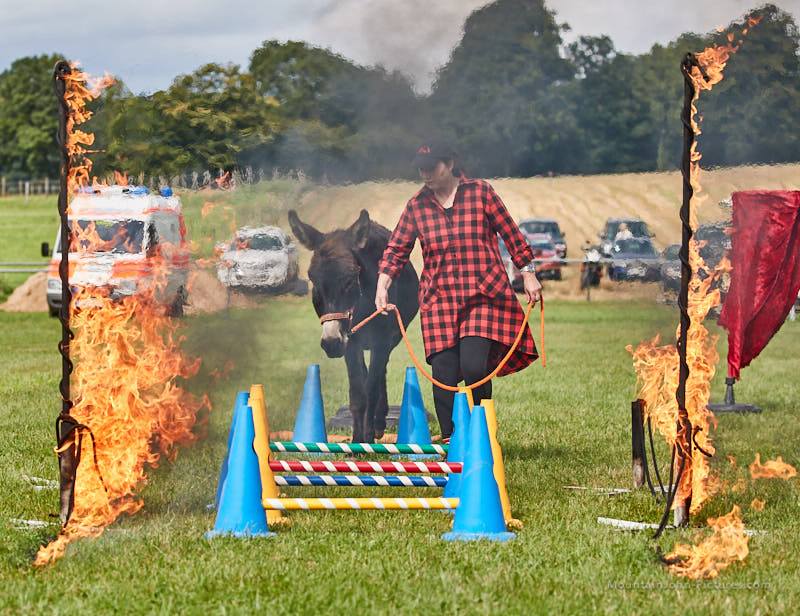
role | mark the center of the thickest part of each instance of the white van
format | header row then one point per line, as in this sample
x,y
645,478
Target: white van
x,y
121,234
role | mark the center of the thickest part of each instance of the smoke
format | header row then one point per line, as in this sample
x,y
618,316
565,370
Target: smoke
x,y
413,36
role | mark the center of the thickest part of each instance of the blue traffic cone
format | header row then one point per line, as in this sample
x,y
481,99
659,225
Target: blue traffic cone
x,y
412,426
240,512
458,443
309,425
479,514
242,399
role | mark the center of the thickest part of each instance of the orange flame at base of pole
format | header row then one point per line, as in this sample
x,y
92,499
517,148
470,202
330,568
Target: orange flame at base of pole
x,y
127,367
727,545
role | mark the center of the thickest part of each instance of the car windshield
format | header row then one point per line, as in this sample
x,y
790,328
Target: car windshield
x,y
671,252
541,245
638,228
634,246
538,226
110,236
264,242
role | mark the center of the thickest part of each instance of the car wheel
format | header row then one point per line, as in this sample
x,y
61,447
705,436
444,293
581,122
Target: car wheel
x,y
53,311
557,275
300,287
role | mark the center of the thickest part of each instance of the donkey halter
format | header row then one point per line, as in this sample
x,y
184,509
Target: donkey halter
x,y
343,316
336,316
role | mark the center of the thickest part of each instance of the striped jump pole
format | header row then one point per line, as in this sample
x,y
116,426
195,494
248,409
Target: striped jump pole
x,y
364,504
361,466
291,447
392,481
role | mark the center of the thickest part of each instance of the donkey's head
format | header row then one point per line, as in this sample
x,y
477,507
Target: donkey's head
x,y
334,273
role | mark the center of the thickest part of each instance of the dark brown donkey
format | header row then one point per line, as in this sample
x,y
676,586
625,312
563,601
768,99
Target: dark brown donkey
x,y
344,274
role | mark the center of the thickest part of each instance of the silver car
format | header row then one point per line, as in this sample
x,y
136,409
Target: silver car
x,y
258,259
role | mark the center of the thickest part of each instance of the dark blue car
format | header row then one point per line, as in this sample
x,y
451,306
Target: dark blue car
x,y
634,259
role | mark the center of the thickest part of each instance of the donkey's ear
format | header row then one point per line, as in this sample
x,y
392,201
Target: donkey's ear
x,y
307,235
359,231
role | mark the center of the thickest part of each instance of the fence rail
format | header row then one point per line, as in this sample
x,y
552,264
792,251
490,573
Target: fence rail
x,y
23,267
192,180
44,186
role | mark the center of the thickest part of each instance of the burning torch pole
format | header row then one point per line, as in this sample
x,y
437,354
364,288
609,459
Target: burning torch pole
x,y
65,424
683,437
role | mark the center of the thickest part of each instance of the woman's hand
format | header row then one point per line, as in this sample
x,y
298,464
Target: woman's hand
x,y
382,292
533,288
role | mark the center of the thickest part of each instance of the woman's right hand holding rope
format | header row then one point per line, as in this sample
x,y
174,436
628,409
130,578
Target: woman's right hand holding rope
x,y
382,293
532,287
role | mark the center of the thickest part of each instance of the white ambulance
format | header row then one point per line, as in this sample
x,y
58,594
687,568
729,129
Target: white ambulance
x,y
123,236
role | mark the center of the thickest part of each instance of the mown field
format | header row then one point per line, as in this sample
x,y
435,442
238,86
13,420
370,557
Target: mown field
x,y
563,425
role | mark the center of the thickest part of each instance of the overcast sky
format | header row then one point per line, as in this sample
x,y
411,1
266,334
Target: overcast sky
x,y
150,42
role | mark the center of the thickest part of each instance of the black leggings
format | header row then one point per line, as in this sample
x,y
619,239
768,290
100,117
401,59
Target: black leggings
x,y
470,358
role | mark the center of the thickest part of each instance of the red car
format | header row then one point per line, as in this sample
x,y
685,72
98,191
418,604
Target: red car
x,y
548,263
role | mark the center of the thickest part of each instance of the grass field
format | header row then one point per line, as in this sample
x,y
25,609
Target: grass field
x,y
566,424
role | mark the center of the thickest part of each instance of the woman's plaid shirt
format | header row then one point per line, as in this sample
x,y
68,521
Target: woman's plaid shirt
x,y
464,289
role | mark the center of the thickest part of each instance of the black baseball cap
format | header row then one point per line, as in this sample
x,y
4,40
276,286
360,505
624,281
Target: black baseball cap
x,y
428,154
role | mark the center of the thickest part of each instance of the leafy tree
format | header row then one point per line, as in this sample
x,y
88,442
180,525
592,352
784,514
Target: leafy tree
x,y
488,94
753,115
589,53
28,120
212,118
297,75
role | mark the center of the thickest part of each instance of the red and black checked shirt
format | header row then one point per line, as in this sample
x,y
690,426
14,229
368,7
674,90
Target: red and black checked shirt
x,y
464,289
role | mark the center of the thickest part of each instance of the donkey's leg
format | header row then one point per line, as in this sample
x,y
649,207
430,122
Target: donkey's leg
x,y
377,405
357,377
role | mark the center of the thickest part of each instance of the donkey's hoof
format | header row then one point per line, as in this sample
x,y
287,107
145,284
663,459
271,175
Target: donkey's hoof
x,y
378,436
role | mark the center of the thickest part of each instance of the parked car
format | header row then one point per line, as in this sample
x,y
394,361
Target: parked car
x,y
127,234
259,259
535,226
548,266
634,259
637,228
714,245
715,242
671,268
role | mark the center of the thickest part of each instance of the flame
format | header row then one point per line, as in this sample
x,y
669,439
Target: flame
x,y
81,89
771,469
224,181
727,544
657,367
125,386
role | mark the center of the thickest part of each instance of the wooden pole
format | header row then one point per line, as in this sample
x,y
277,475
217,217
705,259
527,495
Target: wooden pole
x,y
683,443
637,442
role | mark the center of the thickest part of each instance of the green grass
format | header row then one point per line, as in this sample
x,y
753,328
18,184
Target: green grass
x,y
265,203
24,225
566,424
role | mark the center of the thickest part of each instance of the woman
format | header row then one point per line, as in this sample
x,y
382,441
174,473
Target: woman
x,y
468,310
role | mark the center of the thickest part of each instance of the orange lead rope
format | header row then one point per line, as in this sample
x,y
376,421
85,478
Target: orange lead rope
x,y
541,329
488,377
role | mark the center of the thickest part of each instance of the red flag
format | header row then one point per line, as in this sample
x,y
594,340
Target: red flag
x,y
766,271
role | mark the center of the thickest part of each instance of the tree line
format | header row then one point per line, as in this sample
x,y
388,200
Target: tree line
x,y
513,98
